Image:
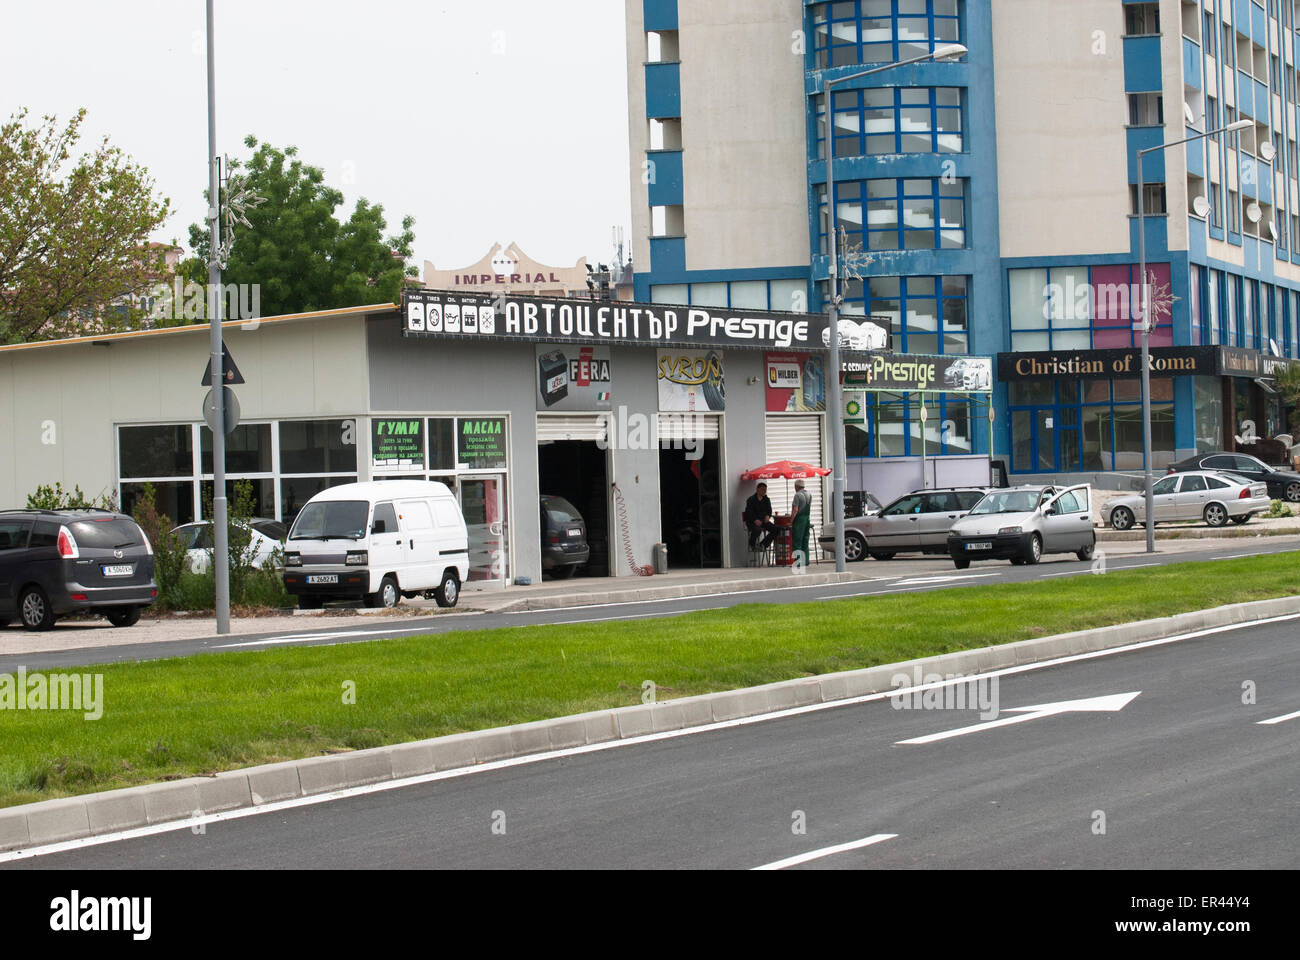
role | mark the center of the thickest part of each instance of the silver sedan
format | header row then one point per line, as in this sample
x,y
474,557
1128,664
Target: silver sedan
x,y
1205,495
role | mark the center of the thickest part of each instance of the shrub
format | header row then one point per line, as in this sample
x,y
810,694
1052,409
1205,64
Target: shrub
x,y
56,498
169,556
1279,509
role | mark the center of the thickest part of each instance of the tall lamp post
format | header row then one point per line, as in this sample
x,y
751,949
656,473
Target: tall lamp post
x,y
948,51
1145,318
220,532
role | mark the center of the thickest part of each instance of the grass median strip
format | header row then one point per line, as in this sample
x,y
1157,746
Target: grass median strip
x,y
175,718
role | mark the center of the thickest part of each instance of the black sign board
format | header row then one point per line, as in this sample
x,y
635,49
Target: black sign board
x,y
432,313
481,444
1124,364
906,372
397,443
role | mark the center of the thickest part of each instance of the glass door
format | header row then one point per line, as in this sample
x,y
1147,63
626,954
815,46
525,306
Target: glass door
x,y
483,502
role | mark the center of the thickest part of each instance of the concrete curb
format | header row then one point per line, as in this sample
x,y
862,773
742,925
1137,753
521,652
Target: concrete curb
x,y
71,818
1197,533
678,591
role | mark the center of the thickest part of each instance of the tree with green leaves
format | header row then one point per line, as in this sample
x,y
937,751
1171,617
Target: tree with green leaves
x,y
74,232
298,253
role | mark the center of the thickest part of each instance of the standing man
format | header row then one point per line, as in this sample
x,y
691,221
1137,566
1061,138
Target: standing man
x,y
801,508
758,518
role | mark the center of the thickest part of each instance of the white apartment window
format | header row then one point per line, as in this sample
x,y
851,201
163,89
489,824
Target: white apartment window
x,y
1141,19
1146,110
1153,198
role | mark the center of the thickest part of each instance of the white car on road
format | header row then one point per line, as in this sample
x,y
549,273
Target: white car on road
x,y
1208,495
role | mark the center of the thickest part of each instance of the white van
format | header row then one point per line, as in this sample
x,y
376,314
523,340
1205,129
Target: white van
x,y
378,542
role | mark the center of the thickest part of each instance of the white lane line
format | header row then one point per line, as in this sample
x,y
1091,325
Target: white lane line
x,y
827,852
1282,719
308,637
387,785
949,578
1134,566
1067,573
634,616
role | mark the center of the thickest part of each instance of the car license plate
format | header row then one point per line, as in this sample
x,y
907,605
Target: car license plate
x,y
324,578
120,570
574,531
979,546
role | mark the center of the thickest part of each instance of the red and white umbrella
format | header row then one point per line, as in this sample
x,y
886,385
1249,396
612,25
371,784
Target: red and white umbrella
x,y
785,470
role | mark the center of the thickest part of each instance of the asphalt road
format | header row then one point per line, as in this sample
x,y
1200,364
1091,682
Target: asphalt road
x,y
902,575
1184,776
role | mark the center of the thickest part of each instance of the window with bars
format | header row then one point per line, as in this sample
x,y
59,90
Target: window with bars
x,y
881,31
899,214
886,120
1153,199
927,315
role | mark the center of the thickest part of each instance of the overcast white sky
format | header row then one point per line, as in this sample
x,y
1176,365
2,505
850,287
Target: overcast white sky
x,y
502,120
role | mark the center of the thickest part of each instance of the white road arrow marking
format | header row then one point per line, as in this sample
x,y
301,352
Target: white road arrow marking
x,y
1282,719
826,852
1108,704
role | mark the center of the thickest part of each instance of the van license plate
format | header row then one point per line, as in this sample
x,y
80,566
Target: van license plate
x,y
979,546
120,570
324,578
574,531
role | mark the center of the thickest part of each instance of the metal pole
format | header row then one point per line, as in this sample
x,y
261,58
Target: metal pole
x,y
1146,358
838,462
220,537
925,478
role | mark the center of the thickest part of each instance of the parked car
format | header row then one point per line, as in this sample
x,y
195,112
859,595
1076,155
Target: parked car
x,y
378,542
268,537
916,522
564,537
1021,524
1205,495
1282,484
57,562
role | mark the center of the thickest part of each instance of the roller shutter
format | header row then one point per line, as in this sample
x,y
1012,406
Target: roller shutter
x,y
796,438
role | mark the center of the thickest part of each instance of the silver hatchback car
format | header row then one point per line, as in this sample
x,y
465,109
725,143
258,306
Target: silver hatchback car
x,y
1021,524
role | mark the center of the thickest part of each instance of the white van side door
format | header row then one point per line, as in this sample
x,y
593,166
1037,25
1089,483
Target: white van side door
x,y
421,538
387,545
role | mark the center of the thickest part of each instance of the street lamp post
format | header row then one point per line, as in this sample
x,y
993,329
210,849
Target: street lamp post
x,y
220,532
839,463
1145,317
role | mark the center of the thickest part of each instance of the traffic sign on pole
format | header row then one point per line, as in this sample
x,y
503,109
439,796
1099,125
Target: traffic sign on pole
x,y
230,374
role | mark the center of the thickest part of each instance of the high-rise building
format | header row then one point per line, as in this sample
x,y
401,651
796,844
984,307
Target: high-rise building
x,y
994,203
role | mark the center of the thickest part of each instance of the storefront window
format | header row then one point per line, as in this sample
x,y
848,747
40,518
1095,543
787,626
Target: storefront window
x,y
248,449
318,446
162,451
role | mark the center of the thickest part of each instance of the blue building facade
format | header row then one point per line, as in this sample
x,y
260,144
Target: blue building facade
x,y
916,186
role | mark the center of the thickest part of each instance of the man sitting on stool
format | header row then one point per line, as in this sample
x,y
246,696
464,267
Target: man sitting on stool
x,y
758,519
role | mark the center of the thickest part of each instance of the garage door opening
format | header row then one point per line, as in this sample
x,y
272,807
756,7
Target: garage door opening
x,y
691,503
577,471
